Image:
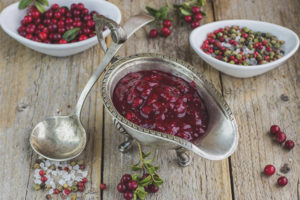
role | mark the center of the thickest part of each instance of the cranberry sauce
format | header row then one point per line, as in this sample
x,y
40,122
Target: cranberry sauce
x,y
160,101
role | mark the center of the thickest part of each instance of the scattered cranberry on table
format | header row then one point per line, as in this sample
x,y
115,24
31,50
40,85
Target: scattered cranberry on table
x,y
269,170
153,33
103,186
289,144
274,129
52,25
282,181
280,137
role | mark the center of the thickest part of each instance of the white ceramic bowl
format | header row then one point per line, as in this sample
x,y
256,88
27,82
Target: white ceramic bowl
x,y
290,47
11,17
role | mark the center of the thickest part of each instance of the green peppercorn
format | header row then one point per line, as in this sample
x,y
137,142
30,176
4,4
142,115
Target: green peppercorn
x,y
220,34
250,46
65,185
234,53
264,62
48,187
239,56
225,59
227,53
231,62
225,36
273,42
73,197
80,162
278,56
246,29
245,63
258,34
242,40
259,57
251,32
268,35
239,33
36,166
281,42
217,52
255,40
37,187
233,36
75,183
74,188
60,188
277,46
232,30
73,163
272,54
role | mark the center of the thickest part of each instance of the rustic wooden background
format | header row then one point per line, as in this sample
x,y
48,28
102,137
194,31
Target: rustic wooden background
x,y
34,86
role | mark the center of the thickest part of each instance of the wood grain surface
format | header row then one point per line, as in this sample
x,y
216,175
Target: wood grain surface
x,y
34,86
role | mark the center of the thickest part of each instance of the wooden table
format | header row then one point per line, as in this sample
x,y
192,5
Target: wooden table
x,y
34,86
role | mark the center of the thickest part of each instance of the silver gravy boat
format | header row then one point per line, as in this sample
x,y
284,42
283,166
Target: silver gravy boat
x,y
63,137
222,133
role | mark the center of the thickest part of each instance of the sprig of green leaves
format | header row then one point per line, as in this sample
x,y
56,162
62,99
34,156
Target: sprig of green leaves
x,y
186,7
159,14
39,4
145,165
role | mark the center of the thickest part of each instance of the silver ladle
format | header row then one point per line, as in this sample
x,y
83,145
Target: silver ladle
x,y
62,138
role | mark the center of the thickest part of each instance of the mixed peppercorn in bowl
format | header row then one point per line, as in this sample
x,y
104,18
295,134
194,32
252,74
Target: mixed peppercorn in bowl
x,y
244,48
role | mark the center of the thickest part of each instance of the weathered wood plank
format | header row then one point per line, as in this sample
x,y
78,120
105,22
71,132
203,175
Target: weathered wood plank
x,y
32,87
203,176
257,104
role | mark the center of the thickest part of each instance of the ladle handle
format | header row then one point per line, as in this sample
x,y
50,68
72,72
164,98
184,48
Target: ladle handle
x,y
119,36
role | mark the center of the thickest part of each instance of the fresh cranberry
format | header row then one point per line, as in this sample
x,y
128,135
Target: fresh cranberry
x,y
85,11
48,14
63,10
153,189
81,188
40,27
165,31
67,191
56,36
42,35
85,180
125,178
289,144
121,187
188,18
80,6
56,191
35,14
55,6
27,19
274,129
60,23
90,23
195,24
87,17
76,13
132,185
77,23
269,170
128,195
82,37
73,6
145,175
61,30
57,15
69,27
80,184
196,9
29,36
92,35
167,23
43,178
68,14
282,181
103,186
52,28
63,41
53,21
198,16
47,21
280,137
153,33
30,28
69,21
86,31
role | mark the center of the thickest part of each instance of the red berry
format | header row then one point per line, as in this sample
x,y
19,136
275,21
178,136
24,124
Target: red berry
x,y
195,24
44,178
69,20
42,172
153,33
85,11
121,187
42,35
85,180
30,28
73,6
35,14
82,37
80,6
274,129
103,186
188,18
27,19
167,23
280,137
80,184
132,185
125,178
60,23
48,14
56,191
63,41
90,23
289,144
61,30
55,6
282,181
82,166
269,170
198,16
196,9
29,36
67,191
63,10
165,31
128,195
81,188
77,23
153,189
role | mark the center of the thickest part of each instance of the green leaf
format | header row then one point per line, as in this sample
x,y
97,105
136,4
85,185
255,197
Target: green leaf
x,y
135,168
203,13
43,2
140,192
146,181
134,196
185,12
151,11
201,2
135,177
145,155
24,3
147,161
40,7
71,34
157,181
164,12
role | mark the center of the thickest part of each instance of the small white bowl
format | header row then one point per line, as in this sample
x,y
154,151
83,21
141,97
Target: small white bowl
x,y
290,47
11,16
